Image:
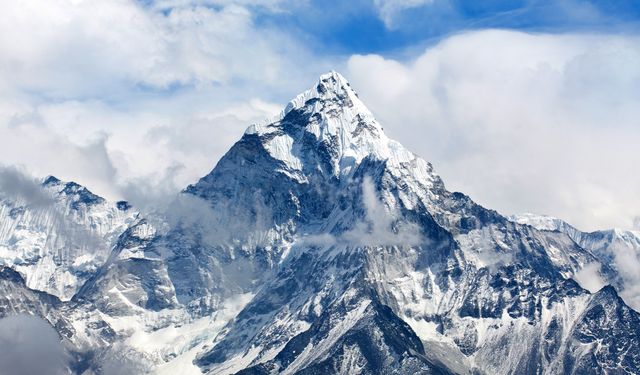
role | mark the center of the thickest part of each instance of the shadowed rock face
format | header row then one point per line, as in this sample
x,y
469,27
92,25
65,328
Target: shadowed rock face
x,y
340,252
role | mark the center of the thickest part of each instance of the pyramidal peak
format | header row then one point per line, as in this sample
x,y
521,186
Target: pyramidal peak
x,y
333,114
330,86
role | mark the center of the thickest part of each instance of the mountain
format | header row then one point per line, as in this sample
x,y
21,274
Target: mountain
x,y
57,242
603,243
317,245
617,254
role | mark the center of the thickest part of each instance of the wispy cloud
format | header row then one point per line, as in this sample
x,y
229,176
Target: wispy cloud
x,y
390,9
121,359
627,262
378,227
19,186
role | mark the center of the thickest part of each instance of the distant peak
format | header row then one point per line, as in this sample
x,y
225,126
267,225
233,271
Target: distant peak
x,y
79,193
50,180
540,222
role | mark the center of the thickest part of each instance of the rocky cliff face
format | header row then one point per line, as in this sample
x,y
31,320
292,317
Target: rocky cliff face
x,y
318,245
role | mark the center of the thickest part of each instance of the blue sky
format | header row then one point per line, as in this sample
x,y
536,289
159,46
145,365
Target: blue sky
x,y
524,105
359,27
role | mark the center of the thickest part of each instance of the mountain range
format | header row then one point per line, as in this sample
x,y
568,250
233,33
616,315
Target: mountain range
x,y
317,245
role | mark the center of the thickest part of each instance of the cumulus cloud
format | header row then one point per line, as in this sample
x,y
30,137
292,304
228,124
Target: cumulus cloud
x,y
521,122
131,99
627,262
111,93
67,48
18,186
589,277
30,346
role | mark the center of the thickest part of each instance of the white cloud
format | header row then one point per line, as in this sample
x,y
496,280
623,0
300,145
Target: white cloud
x,y
521,122
30,346
17,185
64,48
388,10
627,262
111,93
589,277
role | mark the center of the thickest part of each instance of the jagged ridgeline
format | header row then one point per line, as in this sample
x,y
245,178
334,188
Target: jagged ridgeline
x,y
316,245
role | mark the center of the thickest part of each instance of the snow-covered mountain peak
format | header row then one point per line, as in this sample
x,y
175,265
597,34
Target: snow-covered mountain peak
x,y
76,194
544,222
331,120
51,181
330,86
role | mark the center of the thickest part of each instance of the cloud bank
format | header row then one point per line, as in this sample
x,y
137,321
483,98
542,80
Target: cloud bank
x,y
113,93
18,186
30,346
521,122
138,99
